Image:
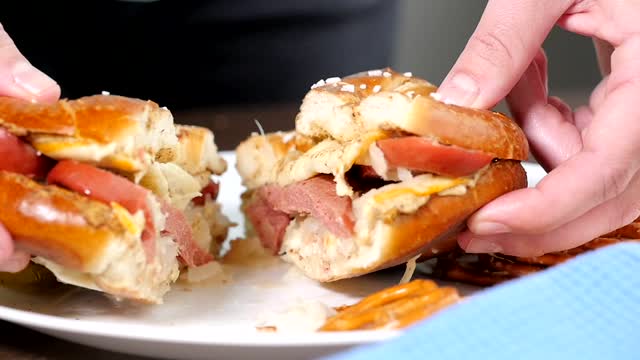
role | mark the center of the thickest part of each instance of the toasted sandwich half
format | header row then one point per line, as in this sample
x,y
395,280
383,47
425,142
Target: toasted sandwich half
x,y
376,172
109,194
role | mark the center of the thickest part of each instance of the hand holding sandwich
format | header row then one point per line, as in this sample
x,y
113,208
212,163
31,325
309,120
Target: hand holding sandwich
x,y
18,78
593,184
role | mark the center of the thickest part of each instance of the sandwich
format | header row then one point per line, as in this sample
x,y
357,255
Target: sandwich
x,y
107,193
377,172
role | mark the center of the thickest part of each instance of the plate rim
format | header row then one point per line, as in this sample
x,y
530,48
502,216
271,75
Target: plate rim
x,y
168,333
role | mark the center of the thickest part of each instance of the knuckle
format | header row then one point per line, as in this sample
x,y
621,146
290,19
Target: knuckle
x,y
493,47
614,181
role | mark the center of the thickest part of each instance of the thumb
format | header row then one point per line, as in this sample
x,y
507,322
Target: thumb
x,y
20,79
503,45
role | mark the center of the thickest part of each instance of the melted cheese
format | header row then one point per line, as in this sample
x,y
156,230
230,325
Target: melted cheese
x,y
417,191
134,224
406,197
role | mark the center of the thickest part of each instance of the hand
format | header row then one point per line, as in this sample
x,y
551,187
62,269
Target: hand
x,y
18,78
591,153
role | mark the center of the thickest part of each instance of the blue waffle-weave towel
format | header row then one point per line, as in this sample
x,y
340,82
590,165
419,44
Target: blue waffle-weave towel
x,y
587,308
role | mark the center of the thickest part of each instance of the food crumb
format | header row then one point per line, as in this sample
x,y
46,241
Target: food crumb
x,y
267,329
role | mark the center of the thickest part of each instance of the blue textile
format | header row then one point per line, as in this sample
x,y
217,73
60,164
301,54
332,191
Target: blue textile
x,y
586,308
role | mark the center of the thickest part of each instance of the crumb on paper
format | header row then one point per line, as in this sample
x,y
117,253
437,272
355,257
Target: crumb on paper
x,y
210,272
245,250
303,316
269,329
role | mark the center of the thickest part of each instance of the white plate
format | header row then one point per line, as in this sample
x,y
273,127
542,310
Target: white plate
x,y
213,320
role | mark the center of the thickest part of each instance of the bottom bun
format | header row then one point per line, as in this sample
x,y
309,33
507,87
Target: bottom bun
x,y
432,229
84,242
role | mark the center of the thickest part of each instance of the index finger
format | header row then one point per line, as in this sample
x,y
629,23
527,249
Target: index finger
x,y
507,38
19,78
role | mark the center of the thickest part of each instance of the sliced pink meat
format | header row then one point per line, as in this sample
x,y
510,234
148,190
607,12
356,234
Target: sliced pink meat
x,y
107,187
177,226
424,155
316,197
19,157
273,207
268,223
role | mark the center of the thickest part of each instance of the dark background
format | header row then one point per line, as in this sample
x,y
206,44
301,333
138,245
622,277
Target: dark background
x,y
187,54
223,64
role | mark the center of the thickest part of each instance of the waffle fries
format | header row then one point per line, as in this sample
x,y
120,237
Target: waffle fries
x,y
393,308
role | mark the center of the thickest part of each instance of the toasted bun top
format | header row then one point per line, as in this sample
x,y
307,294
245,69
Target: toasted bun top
x,y
102,118
22,117
344,109
108,130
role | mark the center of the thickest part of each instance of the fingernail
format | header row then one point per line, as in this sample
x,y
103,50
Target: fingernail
x,y
489,228
482,246
31,79
461,90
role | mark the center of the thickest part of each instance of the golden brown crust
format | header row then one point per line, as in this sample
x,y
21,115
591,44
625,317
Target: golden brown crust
x,y
396,307
110,131
385,99
101,118
433,228
108,118
22,117
490,132
57,224
430,230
